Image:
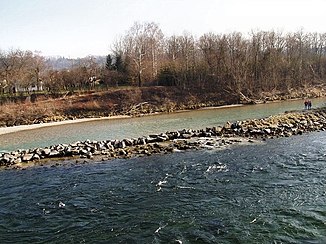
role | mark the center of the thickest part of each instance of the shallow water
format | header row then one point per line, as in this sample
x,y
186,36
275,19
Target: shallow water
x,y
143,126
268,193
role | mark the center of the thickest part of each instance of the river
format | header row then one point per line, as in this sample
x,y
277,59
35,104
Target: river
x,y
142,126
272,192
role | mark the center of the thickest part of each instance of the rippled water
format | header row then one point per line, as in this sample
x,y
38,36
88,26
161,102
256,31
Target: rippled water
x,y
268,193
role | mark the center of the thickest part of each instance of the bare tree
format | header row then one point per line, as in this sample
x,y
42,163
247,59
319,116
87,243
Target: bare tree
x,y
142,45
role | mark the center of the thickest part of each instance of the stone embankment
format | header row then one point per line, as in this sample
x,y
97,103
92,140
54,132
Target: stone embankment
x,y
283,125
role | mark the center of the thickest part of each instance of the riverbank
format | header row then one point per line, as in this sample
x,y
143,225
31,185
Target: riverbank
x,y
12,129
240,132
133,102
115,102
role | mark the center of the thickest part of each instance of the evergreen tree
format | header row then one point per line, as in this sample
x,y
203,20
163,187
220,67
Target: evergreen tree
x,y
119,65
109,61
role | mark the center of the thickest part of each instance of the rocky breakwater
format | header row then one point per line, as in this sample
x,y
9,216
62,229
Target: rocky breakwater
x,y
287,124
111,149
282,125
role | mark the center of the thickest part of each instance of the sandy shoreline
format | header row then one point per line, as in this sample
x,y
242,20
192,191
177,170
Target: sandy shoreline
x,y
13,129
7,130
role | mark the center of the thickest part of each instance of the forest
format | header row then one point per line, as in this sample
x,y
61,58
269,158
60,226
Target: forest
x,y
246,63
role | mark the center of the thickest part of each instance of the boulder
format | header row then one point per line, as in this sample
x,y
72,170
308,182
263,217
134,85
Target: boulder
x,y
7,158
267,131
122,144
186,136
36,157
89,155
54,153
128,142
46,152
83,152
27,157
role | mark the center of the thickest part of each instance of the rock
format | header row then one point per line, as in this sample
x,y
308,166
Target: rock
x,y
208,134
236,125
122,144
217,130
83,152
6,158
122,152
116,144
288,134
186,136
89,155
54,153
16,154
151,139
267,131
91,149
128,142
300,132
46,152
210,143
27,157
141,141
228,125
17,160
101,147
36,157
71,151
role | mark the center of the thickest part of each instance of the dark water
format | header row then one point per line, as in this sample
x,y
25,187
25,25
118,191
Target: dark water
x,y
267,193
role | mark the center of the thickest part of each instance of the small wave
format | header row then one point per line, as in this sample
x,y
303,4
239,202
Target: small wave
x,y
217,168
163,182
61,205
184,170
160,228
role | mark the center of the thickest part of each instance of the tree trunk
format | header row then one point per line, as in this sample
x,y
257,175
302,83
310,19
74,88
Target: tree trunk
x,y
139,79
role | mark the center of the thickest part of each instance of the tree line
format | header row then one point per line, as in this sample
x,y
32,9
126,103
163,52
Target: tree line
x,y
26,71
252,63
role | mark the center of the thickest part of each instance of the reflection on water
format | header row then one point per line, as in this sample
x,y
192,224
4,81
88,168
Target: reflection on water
x,y
266,193
137,127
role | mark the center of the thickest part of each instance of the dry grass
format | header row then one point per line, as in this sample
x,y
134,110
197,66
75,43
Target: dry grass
x,y
24,113
118,102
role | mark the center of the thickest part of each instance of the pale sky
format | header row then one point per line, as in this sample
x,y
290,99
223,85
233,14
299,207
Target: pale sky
x,y
77,28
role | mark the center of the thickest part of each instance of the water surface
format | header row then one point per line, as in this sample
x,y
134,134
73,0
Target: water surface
x,y
269,193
